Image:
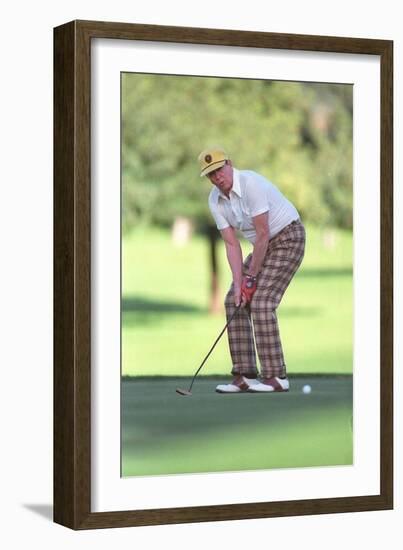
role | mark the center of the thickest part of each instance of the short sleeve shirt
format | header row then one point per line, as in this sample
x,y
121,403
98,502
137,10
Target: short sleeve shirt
x,y
250,196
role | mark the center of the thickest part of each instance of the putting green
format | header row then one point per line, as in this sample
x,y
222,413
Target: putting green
x,y
165,433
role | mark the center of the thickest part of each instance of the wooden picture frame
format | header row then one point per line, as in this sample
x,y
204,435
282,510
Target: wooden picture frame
x,y
72,274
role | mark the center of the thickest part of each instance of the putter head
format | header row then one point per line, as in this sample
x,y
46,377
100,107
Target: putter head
x,y
183,392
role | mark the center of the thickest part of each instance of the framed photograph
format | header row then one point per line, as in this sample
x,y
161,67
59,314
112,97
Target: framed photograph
x,y
180,153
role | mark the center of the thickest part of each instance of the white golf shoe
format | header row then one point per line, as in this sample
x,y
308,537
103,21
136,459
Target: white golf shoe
x,y
240,384
270,385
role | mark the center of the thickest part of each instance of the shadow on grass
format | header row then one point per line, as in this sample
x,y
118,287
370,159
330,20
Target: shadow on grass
x,y
146,311
325,272
284,311
139,304
138,310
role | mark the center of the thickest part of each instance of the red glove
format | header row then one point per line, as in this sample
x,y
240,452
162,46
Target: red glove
x,y
248,288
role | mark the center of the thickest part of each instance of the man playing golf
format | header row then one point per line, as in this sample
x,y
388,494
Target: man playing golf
x,y
244,200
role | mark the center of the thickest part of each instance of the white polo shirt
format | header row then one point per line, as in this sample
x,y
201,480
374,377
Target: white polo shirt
x,y
251,195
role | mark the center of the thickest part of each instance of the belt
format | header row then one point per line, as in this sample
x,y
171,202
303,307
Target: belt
x,y
295,222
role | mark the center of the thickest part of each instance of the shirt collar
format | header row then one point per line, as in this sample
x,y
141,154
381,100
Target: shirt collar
x,y
236,186
236,183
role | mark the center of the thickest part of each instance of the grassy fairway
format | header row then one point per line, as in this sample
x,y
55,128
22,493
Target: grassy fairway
x,y
164,433
166,329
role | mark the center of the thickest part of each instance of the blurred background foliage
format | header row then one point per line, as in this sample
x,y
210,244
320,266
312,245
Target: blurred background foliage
x,y
298,135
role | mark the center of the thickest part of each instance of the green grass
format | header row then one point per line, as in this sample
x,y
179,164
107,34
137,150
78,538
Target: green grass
x,y
166,329
164,433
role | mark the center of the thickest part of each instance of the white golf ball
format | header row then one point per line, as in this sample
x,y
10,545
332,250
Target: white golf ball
x,y
307,389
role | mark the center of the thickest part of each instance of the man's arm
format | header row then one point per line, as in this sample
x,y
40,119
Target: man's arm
x,y
235,260
261,224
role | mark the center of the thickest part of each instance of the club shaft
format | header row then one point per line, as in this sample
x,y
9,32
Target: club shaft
x,y
214,345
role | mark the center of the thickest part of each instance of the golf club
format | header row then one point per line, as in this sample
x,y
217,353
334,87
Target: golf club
x,y
189,391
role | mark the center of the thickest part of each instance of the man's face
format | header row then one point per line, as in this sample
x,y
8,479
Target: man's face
x,y
222,178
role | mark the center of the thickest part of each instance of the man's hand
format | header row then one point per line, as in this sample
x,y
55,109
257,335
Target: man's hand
x,y
248,288
239,298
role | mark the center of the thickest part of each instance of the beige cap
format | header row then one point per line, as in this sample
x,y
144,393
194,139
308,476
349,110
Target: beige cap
x,y
211,159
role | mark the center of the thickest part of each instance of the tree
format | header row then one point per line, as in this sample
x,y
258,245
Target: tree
x,y
297,135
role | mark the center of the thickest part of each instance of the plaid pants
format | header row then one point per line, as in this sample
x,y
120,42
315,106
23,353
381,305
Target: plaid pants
x,y
283,257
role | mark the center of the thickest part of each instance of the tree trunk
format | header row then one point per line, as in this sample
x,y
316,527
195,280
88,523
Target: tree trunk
x,y
215,305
